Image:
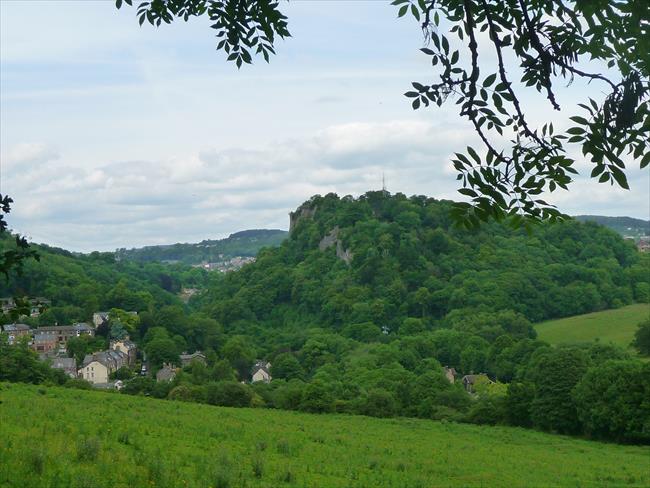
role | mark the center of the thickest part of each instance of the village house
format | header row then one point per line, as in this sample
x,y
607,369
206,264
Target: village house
x,y
100,318
8,304
261,372
34,305
450,374
470,380
63,333
186,359
644,244
44,343
97,368
67,365
16,331
128,347
166,373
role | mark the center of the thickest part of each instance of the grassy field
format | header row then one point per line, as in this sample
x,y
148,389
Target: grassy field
x,y
617,326
55,437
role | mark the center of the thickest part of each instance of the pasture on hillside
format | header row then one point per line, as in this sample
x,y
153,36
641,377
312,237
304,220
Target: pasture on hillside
x,y
617,326
57,437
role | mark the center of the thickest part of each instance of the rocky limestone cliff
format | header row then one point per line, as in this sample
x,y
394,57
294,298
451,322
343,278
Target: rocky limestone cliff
x,y
332,239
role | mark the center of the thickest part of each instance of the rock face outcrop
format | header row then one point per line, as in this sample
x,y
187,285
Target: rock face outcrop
x,y
332,239
299,214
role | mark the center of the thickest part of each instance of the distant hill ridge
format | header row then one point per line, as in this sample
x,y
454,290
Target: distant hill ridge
x,y
626,226
244,243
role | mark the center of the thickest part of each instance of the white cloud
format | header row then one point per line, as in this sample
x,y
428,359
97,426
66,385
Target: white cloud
x,y
213,192
28,156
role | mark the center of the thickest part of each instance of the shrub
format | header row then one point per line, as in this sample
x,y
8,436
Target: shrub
x,y
229,394
379,403
78,383
258,466
487,410
36,460
88,449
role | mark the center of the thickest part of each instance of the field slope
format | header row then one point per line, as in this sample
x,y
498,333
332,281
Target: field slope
x,y
72,438
617,326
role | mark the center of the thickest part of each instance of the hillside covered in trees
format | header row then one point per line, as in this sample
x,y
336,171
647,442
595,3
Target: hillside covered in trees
x,y
245,243
626,226
78,285
380,260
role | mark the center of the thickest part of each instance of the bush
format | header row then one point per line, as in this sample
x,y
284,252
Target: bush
x,y
139,385
317,398
124,373
642,338
229,394
88,449
188,393
78,383
379,403
487,410
258,466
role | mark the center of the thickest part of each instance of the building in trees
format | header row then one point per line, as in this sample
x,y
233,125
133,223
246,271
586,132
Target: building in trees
x,y
187,359
166,373
126,346
16,331
261,372
67,365
97,368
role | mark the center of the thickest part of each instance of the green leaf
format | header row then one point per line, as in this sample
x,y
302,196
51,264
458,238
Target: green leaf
x,y
645,161
579,120
402,10
489,80
415,12
468,192
474,155
620,177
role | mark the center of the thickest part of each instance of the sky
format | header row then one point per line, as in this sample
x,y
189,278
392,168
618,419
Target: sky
x,y
114,135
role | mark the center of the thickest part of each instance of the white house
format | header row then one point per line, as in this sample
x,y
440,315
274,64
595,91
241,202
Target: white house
x,y
97,367
261,372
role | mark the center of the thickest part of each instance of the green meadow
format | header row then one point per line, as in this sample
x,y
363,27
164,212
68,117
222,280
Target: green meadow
x,y
57,437
617,326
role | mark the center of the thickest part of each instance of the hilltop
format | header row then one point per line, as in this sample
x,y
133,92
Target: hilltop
x,y
245,243
626,226
168,444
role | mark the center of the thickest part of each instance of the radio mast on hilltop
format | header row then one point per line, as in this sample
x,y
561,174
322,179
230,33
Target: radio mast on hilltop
x,y
383,183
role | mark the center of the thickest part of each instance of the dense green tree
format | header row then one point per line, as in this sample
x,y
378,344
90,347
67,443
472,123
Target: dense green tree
x,y
223,371
77,348
229,394
555,373
379,403
163,350
241,355
286,366
613,401
642,338
518,404
317,398
19,363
